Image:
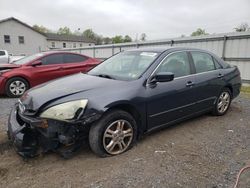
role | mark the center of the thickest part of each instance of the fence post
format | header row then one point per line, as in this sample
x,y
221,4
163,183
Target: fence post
x,y
171,42
224,48
94,52
113,50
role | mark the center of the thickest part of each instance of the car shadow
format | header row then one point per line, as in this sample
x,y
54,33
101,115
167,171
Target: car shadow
x,y
175,126
6,97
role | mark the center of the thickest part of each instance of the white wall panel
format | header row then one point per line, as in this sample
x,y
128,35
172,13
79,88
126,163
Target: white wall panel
x,y
244,68
235,48
103,52
87,52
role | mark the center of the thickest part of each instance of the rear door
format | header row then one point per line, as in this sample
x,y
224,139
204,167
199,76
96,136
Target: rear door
x,y
74,63
173,100
208,79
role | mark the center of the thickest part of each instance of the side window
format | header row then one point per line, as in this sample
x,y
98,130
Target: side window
x,y
217,64
52,59
176,63
203,62
2,53
73,58
21,39
53,44
6,39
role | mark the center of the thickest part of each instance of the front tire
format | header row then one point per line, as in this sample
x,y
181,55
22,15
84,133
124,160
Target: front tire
x,y
223,102
113,134
15,87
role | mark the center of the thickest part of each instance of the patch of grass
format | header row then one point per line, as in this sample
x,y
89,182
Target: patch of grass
x,y
245,89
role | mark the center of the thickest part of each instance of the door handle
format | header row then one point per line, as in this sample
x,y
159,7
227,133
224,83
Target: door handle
x,y
60,68
190,83
220,75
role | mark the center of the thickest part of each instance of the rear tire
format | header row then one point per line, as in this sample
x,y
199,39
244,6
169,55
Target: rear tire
x,y
223,102
113,134
15,87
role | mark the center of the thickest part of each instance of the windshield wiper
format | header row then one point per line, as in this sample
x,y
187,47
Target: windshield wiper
x,y
105,76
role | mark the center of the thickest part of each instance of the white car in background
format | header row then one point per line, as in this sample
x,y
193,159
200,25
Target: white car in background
x,y
4,57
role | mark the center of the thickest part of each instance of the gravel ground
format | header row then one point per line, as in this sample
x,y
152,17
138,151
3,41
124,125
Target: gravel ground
x,y
206,151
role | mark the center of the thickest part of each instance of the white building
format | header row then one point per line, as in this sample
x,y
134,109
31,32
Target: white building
x,y
55,41
18,38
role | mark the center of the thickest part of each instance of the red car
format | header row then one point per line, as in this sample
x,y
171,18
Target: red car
x,y
32,70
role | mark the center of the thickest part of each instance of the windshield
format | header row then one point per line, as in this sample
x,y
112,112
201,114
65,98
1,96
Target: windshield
x,y
27,59
125,66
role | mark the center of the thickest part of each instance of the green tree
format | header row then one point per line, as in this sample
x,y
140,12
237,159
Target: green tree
x,y
127,39
117,39
41,29
199,32
107,40
89,33
98,39
242,27
64,31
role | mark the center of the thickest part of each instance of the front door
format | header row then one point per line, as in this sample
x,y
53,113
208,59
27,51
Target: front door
x,y
173,100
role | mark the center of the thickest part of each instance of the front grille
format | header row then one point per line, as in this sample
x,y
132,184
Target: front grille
x,y
19,119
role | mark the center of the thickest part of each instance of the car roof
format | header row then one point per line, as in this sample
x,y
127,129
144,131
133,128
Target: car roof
x,y
164,49
55,52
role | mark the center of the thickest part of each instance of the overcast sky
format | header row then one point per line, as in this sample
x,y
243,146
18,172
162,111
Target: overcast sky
x,y
159,19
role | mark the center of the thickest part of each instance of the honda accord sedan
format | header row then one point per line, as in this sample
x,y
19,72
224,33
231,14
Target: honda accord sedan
x,y
32,70
128,95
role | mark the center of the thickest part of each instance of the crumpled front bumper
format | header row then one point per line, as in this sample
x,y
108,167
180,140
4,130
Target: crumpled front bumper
x,y
23,138
29,134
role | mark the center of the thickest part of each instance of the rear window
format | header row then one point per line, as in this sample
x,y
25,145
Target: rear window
x,y
2,53
73,58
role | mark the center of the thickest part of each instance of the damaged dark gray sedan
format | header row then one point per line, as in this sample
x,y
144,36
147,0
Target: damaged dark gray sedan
x,y
126,96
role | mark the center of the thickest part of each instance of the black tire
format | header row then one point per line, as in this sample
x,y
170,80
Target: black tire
x,y
216,110
8,91
96,133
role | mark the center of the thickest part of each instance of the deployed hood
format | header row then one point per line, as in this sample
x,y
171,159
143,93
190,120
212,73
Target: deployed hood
x,y
38,96
8,66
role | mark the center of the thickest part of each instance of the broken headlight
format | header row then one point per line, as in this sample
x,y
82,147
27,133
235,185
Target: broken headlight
x,y
65,111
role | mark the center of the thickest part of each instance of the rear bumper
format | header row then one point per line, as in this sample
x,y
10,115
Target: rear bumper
x,y
236,89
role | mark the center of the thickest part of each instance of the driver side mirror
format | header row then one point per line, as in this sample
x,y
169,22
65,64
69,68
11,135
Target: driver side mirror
x,y
36,63
162,77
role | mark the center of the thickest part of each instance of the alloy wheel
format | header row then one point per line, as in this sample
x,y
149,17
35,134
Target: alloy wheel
x,y
223,102
117,137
